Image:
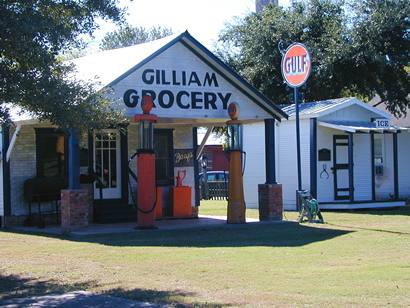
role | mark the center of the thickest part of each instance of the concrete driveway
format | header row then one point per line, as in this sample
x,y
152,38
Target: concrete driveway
x,y
75,300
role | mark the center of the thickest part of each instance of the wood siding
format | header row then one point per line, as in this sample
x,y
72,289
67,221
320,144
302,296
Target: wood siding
x,y
404,164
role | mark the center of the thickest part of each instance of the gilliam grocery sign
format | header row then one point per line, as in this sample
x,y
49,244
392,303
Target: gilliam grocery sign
x,y
296,65
184,90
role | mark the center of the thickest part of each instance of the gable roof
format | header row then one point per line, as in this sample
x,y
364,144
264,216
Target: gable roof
x,y
106,66
110,67
321,108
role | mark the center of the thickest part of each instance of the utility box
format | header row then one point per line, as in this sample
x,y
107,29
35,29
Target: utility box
x,y
181,201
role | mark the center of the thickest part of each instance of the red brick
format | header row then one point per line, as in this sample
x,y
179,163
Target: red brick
x,y
270,202
74,209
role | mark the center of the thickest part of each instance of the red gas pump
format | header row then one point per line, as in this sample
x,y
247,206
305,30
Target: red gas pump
x,y
146,186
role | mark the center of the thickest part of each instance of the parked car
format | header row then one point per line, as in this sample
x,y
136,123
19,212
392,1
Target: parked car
x,y
217,185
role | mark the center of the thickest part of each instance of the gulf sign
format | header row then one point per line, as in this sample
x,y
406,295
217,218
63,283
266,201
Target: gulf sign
x,y
296,65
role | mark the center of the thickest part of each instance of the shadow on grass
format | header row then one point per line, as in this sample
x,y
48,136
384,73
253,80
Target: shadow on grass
x,y
270,235
17,291
12,286
287,234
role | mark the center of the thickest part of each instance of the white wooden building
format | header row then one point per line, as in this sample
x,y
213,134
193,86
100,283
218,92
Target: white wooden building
x,y
190,87
348,161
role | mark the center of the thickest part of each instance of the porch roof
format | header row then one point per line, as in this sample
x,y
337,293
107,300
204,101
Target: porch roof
x,y
360,127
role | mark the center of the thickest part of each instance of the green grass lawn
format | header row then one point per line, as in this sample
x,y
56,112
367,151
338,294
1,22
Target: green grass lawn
x,y
355,259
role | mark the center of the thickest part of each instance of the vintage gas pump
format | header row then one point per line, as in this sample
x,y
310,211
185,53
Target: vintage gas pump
x,y
146,186
236,202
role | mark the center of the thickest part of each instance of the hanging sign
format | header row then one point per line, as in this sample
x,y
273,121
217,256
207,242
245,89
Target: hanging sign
x,y
296,65
183,158
381,123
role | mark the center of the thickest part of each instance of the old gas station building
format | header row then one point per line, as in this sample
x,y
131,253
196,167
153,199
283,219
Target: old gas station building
x,y
190,88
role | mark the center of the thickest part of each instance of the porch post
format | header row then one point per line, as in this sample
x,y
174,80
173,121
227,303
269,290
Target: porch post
x,y
270,165
270,193
395,167
74,200
313,157
196,164
351,181
6,170
373,166
73,160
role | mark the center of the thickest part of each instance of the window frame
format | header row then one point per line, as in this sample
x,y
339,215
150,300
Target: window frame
x,y
39,133
382,155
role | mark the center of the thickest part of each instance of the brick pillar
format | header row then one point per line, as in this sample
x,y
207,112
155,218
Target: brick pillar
x,y
270,202
74,209
90,192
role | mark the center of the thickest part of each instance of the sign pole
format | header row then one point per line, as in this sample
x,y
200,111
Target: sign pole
x,y
296,66
295,93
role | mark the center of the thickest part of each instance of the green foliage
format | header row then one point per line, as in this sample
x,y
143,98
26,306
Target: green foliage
x,y
380,51
34,34
358,48
129,35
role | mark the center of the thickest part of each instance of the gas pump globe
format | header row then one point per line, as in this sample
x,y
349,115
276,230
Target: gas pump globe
x,y
236,200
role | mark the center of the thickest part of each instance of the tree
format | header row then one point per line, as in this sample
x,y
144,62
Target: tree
x,y
357,48
33,35
380,51
129,35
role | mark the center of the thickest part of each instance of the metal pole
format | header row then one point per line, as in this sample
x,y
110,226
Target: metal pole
x,y
73,160
295,92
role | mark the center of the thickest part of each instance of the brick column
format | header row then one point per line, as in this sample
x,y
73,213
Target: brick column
x,y
74,209
270,202
90,192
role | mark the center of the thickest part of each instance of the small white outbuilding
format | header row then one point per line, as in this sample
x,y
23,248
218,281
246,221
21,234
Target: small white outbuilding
x,y
352,156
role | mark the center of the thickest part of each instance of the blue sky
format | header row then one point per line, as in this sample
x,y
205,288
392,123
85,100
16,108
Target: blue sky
x,y
204,19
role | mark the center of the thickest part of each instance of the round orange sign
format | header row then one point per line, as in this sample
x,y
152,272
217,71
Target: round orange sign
x,y
296,65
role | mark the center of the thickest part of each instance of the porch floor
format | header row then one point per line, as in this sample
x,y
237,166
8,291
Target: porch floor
x,y
204,221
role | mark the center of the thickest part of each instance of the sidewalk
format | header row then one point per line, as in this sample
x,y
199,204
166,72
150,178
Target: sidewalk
x,y
76,300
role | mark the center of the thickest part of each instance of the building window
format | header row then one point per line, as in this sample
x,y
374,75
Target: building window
x,y
164,153
106,144
379,154
51,153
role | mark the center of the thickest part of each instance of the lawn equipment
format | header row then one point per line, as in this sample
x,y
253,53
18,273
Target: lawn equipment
x,y
309,209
